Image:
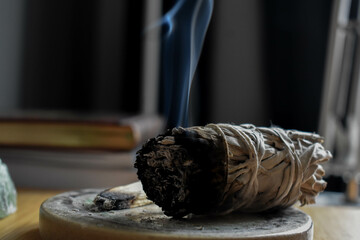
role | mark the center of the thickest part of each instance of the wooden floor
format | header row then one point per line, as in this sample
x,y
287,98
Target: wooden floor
x,y
24,223
331,222
335,222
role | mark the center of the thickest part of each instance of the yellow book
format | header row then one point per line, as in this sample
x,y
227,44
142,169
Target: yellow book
x,y
63,130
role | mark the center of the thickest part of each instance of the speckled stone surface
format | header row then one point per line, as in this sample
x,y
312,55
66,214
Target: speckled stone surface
x,y
71,215
7,192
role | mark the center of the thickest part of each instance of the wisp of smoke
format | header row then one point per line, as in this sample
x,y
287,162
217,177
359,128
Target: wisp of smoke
x,y
185,26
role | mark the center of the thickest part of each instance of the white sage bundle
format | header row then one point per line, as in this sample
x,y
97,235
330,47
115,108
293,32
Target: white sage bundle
x,y
221,168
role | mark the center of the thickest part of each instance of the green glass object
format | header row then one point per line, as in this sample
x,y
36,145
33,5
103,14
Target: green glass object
x,y
7,192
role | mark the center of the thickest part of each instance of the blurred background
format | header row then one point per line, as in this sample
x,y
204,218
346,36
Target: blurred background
x,y
263,62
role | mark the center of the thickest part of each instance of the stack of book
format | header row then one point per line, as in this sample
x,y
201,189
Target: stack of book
x,y
67,151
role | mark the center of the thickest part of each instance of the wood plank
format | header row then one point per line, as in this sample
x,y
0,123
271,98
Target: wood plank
x,y
334,222
24,223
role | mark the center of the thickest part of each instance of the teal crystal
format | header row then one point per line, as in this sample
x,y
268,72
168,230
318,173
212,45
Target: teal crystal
x,y
7,192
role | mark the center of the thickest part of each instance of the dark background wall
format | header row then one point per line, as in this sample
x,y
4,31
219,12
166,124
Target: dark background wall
x,y
262,62
295,50
82,55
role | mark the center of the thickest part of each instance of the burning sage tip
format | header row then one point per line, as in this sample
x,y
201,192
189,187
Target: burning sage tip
x,y
221,168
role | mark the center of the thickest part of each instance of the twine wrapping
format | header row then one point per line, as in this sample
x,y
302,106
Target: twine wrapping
x,y
270,167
